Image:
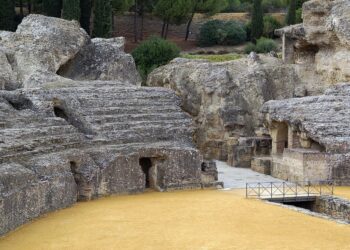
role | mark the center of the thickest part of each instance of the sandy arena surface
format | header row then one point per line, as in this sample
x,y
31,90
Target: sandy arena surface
x,y
210,219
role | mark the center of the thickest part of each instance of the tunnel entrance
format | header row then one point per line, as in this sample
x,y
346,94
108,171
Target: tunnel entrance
x,y
146,165
309,205
60,113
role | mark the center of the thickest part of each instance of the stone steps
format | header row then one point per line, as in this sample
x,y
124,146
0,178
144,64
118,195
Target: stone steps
x,y
141,124
43,142
129,110
136,117
127,102
20,122
27,133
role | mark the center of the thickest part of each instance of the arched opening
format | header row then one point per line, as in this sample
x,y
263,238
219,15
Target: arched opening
x,y
74,170
146,165
279,134
60,113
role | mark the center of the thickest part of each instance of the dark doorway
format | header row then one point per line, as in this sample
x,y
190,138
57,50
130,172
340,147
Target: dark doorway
x,y
146,165
60,113
74,170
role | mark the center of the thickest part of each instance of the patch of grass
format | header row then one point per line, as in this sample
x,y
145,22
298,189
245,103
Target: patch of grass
x,y
213,58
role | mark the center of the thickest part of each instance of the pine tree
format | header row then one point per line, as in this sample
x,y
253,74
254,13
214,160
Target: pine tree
x,y
71,9
103,18
52,7
257,21
85,14
291,15
7,15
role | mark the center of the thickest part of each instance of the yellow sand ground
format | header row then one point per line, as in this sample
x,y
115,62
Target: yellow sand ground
x,y
343,192
179,220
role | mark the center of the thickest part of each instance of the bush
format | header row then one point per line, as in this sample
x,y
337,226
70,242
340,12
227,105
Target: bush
x,y
153,53
263,45
249,48
270,25
222,33
210,32
235,33
299,17
248,29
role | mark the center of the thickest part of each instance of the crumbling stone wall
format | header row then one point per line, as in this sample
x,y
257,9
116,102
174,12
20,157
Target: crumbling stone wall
x,y
335,207
225,98
319,47
76,124
318,142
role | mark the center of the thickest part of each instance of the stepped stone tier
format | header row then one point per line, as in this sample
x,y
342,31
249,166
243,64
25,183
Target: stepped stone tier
x,y
320,46
311,136
69,132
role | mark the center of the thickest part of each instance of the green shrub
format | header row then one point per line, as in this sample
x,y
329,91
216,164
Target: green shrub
x,y
249,48
153,53
299,17
248,29
235,33
209,34
223,33
265,45
270,25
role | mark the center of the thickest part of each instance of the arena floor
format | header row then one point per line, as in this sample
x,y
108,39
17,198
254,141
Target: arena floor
x,y
211,219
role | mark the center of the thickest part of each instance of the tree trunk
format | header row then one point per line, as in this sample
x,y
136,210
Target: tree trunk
x,y
189,26
142,21
29,4
135,22
21,8
113,27
163,28
166,30
190,21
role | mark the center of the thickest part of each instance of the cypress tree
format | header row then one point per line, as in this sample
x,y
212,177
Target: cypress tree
x,y
7,15
52,7
291,15
103,18
85,9
257,21
71,9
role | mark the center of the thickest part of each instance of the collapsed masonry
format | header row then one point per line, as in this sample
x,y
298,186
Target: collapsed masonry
x,y
320,46
310,134
75,125
310,137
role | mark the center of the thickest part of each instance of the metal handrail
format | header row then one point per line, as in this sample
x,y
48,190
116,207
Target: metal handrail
x,y
288,190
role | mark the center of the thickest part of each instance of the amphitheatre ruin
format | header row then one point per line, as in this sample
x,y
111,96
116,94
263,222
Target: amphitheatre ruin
x,y
76,125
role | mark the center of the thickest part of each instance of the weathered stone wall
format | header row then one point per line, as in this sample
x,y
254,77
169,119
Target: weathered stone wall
x,y
32,56
320,47
64,140
225,98
335,207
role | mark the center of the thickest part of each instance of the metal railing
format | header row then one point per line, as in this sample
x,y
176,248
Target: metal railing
x,y
287,191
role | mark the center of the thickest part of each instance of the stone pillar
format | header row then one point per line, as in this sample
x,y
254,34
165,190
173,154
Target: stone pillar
x,y
287,49
293,138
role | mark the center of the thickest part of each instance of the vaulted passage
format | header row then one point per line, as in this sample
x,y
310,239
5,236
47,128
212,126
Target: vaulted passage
x,y
60,113
146,165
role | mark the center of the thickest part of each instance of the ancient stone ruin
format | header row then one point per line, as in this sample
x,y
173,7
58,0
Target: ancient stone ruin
x,y
310,137
319,48
295,139
75,125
